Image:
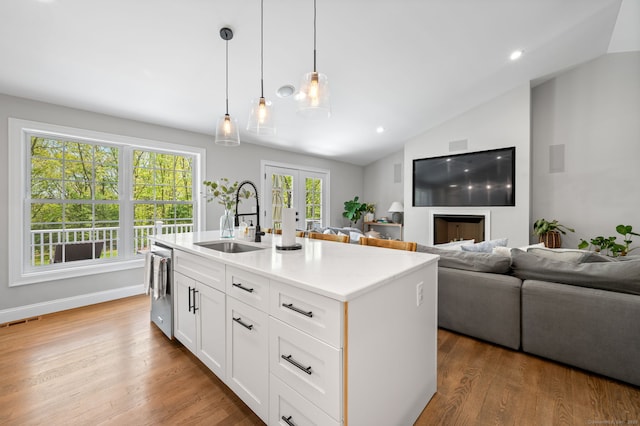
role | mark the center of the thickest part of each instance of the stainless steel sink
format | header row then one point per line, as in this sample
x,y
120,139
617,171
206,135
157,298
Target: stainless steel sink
x,y
228,246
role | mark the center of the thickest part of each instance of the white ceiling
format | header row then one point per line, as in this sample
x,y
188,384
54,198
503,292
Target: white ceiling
x,y
406,65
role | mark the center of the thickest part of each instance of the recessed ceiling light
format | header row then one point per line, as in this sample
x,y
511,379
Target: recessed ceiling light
x,y
379,129
285,91
515,55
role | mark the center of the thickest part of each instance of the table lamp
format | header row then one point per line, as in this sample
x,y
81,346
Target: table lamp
x,y
396,210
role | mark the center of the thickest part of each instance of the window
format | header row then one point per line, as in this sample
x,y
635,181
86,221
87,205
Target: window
x,y
87,202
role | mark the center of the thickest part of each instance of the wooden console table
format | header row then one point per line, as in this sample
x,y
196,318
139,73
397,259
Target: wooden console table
x,y
386,228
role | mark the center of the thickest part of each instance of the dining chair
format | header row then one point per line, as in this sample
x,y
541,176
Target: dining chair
x,y
392,244
329,237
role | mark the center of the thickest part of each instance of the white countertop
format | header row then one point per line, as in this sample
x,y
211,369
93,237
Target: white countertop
x,y
336,270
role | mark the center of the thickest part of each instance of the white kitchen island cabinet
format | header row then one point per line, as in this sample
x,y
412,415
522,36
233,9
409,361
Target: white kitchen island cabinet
x,y
332,334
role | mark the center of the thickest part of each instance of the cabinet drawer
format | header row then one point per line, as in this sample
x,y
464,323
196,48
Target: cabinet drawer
x,y
308,365
248,287
287,403
317,315
200,268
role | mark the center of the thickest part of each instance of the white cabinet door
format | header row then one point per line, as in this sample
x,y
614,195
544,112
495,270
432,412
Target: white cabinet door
x,y
211,329
247,355
184,314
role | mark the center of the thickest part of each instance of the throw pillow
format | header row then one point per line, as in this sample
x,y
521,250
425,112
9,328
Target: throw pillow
x,y
468,261
454,245
506,251
622,277
485,246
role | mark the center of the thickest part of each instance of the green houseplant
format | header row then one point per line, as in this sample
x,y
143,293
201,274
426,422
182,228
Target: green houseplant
x,y
353,210
548,232
609,245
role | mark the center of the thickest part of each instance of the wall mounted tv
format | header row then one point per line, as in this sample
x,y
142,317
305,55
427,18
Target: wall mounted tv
x,y
485,178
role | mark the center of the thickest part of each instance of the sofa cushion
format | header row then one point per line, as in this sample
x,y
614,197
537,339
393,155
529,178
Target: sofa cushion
x,y
485,246
623,277
572,256
469,261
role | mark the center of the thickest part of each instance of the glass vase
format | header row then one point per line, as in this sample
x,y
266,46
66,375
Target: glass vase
x,y
226,225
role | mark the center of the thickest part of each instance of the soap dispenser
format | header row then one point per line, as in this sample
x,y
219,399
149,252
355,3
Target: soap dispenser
x,y
251,231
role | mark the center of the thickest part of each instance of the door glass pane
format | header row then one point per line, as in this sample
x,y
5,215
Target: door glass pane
x,y
313,203
281,196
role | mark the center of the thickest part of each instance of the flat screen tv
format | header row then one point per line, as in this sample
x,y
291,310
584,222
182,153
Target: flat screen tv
x,y
485,178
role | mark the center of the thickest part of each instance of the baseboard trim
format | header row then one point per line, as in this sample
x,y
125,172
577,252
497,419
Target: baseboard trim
x,y
43,308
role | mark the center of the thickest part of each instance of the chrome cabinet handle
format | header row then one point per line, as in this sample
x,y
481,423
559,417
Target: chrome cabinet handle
x,y
298,310
288,421
239,321
296,364
241,287
190,305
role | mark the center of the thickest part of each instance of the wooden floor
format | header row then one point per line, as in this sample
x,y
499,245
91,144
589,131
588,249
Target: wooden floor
x,y
107,365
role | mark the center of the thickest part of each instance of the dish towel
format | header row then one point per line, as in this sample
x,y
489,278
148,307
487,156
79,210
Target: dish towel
x,y
148,270
158,278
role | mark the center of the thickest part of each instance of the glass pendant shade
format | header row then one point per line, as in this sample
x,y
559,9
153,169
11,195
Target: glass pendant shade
x,y
261,120
227,132
313,97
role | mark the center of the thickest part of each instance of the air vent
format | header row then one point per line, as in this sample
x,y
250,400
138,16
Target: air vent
x,y
22,321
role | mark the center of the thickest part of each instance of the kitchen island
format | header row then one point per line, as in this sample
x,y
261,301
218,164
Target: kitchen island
x,y
332,333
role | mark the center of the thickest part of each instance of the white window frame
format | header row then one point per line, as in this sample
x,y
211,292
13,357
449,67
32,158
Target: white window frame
x,y
19,216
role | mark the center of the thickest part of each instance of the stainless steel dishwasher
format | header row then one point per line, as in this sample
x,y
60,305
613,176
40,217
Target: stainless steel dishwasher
x,y
162,306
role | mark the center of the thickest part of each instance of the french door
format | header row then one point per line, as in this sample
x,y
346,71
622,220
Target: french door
x,y
306,191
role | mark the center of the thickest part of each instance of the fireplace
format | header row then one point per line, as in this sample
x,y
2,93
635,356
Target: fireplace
x,y
455,225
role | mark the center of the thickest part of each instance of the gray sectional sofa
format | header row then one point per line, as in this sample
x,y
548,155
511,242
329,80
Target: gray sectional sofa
x,y
580,309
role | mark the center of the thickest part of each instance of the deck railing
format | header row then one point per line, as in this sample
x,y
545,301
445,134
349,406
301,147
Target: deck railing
x,y
44,241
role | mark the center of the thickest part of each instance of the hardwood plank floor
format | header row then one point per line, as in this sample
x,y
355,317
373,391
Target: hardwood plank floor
x,y
107,364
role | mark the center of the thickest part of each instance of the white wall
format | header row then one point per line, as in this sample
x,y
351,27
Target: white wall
x,y
502,122
235,163
380,187
594,111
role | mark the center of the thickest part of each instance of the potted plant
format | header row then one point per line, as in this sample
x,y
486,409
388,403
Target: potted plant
x,y
353,210
549,232
224,192
369,214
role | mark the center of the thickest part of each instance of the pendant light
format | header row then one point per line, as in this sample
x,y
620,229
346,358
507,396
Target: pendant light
x,y
261,115
313,98
227,132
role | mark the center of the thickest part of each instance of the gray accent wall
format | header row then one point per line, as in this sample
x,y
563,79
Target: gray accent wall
x,y
593,111
381,186
235,163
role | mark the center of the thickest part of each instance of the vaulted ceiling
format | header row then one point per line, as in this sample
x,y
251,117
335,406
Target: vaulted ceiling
x,y
405,65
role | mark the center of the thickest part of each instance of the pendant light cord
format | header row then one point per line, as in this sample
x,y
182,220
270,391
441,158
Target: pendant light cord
x,y
314,35
262,48
227,75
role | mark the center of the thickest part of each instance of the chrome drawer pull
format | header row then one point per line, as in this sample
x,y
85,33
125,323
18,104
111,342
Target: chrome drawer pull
x,y
239,321
298,310
297,364
287,420
241,287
